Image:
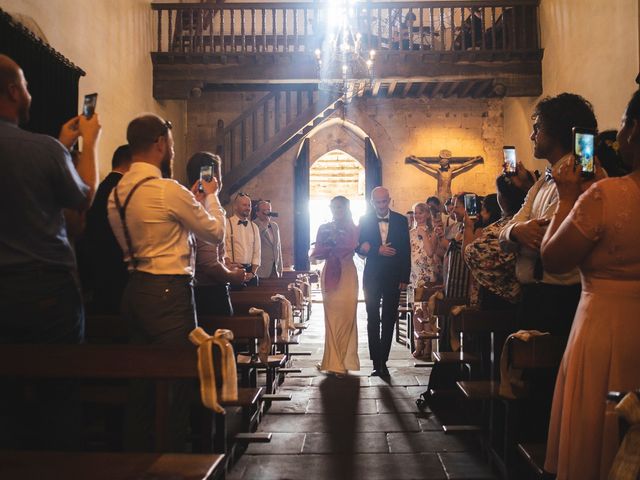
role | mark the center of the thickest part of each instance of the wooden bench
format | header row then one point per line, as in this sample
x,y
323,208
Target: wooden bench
x,y
524,419
31,465
160,364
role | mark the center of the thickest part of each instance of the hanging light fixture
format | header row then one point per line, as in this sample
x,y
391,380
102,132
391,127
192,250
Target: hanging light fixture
x,y
342,63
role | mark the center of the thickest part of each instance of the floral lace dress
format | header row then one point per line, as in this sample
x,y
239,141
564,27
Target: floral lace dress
x,y
602,353
424,269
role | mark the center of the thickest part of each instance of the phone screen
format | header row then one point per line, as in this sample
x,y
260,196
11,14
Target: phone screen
x,y
583,146
89,105
471,204
206,174
509,154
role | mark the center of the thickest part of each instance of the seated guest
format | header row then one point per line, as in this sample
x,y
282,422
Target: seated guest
x,y
494,269
212,276
242,239
154,219
596,231
102,268
270,247
425,268
549,299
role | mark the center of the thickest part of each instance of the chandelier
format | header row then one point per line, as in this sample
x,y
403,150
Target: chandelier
x,y
343,64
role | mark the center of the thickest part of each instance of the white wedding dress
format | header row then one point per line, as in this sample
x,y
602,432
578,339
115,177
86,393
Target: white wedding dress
x,y
341,330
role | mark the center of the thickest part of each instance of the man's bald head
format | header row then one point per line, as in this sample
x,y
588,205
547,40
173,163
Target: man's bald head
x,y
14,96
380,200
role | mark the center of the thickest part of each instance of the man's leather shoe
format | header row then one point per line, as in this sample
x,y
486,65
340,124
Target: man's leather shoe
x,y
375,373
384,371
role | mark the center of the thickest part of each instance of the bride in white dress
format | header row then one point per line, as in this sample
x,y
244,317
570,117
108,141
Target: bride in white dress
x,y
335,243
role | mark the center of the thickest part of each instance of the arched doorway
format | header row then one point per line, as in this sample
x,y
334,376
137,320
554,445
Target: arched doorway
x,y
334,173
302,221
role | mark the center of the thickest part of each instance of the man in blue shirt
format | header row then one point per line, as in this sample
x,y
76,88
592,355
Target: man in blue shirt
x,y
39,296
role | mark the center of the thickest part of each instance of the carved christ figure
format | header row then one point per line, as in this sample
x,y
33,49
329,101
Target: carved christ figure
x,y
444,173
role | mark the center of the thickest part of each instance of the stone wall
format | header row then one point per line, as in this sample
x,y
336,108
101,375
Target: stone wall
x,y
398,128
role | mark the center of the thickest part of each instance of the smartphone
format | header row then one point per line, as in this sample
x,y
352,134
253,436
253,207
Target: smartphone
x,y
89,105
206,174
583,149
509,154
273,214
471,204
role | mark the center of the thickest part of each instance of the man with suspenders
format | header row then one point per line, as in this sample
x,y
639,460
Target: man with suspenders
x,y
154,219
242,239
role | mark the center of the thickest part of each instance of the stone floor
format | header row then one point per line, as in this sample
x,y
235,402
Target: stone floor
x,y
357,427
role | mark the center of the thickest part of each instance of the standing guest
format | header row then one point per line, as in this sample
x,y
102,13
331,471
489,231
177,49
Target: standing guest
x,y
424,242
411,218
102,267
242,240
212,276
455,272
154,219
40,299
434,205
607,151
549,299
384,241
39,294
596,231
270,247
493,268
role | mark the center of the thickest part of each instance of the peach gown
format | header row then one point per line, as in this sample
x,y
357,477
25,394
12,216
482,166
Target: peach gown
x,y
602,353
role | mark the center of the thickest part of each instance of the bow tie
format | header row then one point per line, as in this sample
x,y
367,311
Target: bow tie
x,y
385,220
243,222
548,174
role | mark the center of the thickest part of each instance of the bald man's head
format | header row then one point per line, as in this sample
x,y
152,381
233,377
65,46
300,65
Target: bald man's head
x,y
380,200
14,96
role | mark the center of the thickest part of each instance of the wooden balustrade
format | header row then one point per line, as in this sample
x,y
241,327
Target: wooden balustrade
x,y
453,25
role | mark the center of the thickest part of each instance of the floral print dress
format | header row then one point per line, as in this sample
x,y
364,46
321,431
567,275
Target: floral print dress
x,y
424,269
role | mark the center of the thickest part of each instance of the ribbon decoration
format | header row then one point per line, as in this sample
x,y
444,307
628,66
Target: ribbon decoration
x,y
511,383
206,370
287,317
264,345
626,465
298,294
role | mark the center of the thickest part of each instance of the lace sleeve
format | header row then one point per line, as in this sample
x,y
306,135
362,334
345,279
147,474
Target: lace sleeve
x,y
587,213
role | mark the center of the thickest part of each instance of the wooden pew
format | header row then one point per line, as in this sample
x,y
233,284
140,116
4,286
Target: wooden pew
x,y
31,465
524,419
160,364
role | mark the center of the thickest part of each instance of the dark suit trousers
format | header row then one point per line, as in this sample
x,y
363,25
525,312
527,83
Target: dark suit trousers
x,y
380,341
160,310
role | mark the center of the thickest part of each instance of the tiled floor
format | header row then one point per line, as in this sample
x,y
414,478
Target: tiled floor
x,y
357,427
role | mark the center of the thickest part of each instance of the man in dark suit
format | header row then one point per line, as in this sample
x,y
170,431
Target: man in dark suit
x,y
384,241
102,269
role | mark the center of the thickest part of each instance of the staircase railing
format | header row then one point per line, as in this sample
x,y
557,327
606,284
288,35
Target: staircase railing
x,y
259,124
447,25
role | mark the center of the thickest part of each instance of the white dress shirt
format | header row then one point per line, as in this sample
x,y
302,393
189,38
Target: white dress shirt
x,y
384,227
242,243
541,202
162,217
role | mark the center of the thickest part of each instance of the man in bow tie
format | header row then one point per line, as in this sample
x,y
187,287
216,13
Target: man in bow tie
x,y
242,239
549,301
384,242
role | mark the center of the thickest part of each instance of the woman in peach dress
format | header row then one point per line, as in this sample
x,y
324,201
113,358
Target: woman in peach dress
x,y
597,230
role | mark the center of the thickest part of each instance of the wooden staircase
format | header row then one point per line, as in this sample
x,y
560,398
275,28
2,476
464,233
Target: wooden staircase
x,y
268,129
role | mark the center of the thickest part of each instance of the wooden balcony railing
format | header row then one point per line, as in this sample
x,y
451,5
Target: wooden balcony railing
x,y
249,28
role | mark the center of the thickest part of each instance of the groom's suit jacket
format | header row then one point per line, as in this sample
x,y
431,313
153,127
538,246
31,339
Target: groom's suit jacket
x,y
378,268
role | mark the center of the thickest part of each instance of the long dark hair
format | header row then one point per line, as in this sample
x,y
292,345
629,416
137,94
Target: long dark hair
x,y
346,203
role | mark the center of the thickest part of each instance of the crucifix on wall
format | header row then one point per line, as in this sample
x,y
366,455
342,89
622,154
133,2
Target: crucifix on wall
x,y
444,168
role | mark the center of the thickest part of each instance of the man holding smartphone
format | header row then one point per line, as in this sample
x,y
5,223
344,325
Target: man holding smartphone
x,y
154,219
549,300
40,299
